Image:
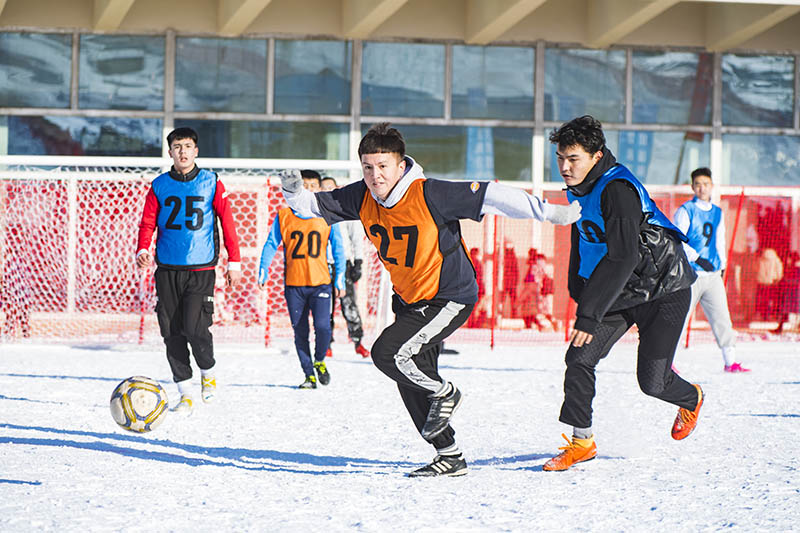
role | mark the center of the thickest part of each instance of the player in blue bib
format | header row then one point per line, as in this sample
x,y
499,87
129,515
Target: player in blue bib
x,y
627,266
704,225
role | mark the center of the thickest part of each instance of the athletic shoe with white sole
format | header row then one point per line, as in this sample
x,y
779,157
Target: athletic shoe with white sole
x,y
322,373
184,406
442,465
209,390
309,383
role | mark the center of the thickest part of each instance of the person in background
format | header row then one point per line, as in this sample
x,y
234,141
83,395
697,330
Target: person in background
x,y
789,290
478,318
703,223
307,280
184,204
353,237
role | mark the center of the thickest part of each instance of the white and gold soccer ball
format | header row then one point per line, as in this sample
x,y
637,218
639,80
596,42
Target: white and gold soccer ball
x,y
139,404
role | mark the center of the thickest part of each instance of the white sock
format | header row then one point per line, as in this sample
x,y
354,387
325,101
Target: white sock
x,y
582,433
208,373
183,387
450,450
444,390
729,354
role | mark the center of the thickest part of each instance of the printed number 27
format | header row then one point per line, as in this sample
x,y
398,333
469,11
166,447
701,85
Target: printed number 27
x,y
399,233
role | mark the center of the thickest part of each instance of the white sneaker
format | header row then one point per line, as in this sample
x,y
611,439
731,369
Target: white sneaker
x,y
184,406
209,391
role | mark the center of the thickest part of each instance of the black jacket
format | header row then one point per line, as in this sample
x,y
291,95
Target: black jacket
x,y
644,262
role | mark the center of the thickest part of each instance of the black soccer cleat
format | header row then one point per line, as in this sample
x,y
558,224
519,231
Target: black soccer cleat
x,y
442,465
309,383
322,373
442,409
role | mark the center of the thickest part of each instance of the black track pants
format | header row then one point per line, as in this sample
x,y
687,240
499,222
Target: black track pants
x,y
185,310
660,323
408,352
350,311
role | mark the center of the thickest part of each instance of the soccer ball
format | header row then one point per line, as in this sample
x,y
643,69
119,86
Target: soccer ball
x,y
139,404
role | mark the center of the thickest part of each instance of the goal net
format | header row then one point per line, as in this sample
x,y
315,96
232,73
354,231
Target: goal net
x,y
68,231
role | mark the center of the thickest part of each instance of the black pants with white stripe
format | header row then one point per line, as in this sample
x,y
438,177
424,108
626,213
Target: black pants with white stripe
x,y
408,352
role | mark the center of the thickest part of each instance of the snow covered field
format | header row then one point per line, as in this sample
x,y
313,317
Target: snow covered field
x,y
268,457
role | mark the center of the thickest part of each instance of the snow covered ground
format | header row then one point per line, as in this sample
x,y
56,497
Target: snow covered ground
x,y
269,457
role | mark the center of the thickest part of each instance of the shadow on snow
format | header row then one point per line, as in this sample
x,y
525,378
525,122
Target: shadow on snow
x,y
251,458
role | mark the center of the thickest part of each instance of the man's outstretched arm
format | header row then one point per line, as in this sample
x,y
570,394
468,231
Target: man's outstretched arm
x,y
516,203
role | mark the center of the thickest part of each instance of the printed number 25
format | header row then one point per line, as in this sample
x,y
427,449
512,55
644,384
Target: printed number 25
x,y
194,214
399,233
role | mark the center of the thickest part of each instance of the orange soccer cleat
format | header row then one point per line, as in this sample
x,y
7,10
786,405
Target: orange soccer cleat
x,y
576,451
686,420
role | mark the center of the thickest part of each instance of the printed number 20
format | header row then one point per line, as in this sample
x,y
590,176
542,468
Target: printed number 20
x,y
399,233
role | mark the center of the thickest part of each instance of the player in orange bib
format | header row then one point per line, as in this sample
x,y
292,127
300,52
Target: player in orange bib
x,y
413,222
307,281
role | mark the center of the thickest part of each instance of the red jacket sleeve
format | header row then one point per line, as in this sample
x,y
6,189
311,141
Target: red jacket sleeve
x,y
222,207
147,226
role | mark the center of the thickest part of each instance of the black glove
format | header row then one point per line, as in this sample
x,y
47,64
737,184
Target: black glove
x,y
354,270
705,264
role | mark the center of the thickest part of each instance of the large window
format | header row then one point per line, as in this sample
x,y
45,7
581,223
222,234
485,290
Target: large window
x,y
312,77
221,75
761,159
401,79
101,136
672,87
121,72
470,152
658,157
250,139
467,112
757,90
35,69
493,82
584,82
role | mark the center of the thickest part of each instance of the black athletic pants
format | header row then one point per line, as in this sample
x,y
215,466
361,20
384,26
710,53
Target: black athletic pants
x,y
660,323
408,352
185,309
350,312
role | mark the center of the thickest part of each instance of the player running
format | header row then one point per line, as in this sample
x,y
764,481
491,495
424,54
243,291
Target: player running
x,y
626,267
413,222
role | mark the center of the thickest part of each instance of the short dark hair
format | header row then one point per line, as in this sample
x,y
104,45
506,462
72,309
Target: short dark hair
x,y
330,178
585,131
382,139
311,175
181,133
702,171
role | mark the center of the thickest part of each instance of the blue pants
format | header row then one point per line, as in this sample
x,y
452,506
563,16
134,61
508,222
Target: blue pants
x,y
301,300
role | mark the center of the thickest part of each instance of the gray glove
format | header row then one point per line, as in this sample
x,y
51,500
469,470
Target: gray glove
x,y
562,214
291,180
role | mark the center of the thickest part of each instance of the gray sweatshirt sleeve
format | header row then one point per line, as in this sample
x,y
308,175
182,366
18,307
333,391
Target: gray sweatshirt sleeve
x,y
513,202
303,202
